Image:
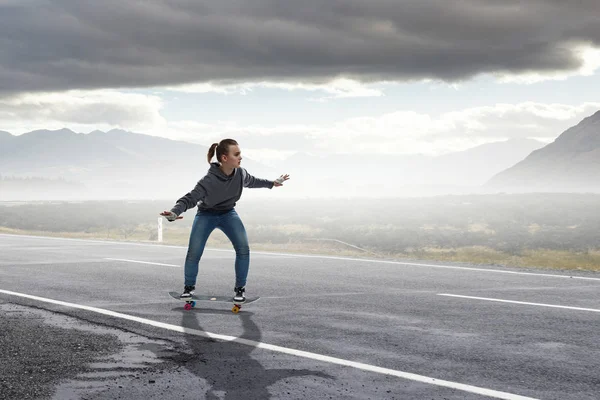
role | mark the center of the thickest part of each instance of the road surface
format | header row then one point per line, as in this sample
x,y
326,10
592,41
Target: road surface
x,y
93,319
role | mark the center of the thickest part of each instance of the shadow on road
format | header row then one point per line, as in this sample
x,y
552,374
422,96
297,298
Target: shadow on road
x,y
228,367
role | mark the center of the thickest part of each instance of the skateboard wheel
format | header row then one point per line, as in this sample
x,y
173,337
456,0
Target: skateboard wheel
x,y
193,304
187,306
235,309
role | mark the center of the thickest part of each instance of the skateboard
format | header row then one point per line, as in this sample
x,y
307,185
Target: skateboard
x,y
191,303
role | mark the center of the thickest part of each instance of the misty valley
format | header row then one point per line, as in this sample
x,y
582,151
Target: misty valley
x,y
554,230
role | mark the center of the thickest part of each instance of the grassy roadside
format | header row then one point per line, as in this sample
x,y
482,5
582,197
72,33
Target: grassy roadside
x,y
539,258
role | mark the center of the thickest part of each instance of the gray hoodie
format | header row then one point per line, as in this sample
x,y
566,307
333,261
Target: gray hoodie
x,y
219,192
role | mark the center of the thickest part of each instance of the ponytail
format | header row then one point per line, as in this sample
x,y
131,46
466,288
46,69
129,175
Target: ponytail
x,y
211,151
221,149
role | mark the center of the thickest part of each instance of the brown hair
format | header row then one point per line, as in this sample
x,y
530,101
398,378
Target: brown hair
x,y
222,149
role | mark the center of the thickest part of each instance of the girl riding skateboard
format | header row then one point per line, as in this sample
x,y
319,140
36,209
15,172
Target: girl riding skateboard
x,y
216,195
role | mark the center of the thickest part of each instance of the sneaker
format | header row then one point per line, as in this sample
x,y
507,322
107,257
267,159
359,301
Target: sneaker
x,y
188,291
239,294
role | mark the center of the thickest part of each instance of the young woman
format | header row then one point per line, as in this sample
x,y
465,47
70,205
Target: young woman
x,y
216,195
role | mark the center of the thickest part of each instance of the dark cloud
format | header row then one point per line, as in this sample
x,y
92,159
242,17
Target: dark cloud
x,y
53,45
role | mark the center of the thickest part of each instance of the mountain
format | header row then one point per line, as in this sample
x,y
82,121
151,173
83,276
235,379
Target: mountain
x,y
114,164
569,164
5,139
476,165
406,175
120,164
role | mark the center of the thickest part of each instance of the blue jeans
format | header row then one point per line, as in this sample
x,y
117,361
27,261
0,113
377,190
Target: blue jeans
x,y
232,226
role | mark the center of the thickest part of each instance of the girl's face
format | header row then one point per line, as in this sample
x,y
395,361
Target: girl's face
x,y
234,158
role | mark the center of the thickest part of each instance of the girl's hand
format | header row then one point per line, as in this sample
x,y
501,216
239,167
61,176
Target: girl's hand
x,y
279,181
170,216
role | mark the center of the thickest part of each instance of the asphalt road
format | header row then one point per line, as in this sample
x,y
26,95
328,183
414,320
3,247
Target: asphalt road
x,y
93,320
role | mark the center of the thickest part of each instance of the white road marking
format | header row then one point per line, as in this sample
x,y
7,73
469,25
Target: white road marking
x,y
143,262
285,350
365,260
532,288
300,296
520,302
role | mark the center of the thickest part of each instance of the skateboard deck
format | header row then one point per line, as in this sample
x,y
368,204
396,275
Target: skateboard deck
x,y
191,302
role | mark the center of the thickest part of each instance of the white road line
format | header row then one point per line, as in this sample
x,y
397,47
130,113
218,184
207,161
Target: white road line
x,y
143,262
520,302
365,260
285,350
314,295
449,267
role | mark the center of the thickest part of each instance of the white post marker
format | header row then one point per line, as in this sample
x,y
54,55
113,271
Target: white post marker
x,y
160,229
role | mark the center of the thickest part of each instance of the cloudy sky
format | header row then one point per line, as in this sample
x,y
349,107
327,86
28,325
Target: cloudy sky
x,y
345,76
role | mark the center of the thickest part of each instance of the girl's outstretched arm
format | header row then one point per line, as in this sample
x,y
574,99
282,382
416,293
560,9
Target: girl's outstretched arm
x,y
253,182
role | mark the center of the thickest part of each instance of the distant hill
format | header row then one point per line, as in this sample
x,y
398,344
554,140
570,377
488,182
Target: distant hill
x,y
114,164
476,165
407,175
569,164
120,164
